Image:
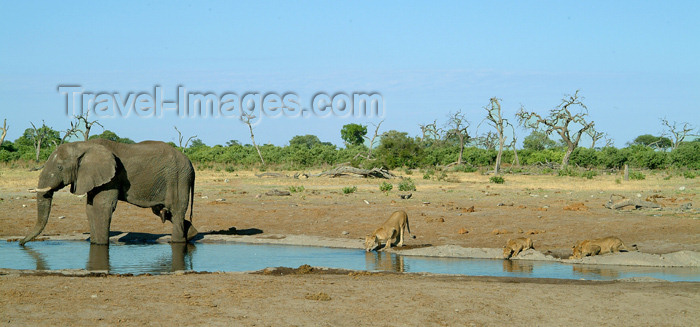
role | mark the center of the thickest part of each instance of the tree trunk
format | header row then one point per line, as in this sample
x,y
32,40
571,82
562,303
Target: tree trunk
x,y
252,138
516,160
461,150
4,132
38,149
627,172
497,170
567,155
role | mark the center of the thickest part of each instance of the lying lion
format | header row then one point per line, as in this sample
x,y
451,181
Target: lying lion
x,y
610,244
516,245
389,232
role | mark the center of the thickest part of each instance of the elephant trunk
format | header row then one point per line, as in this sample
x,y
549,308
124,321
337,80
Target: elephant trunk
x,y
43,204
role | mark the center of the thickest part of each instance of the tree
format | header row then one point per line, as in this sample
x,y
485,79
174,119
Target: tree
x,y
595,136
494,118
197,143
538,141
307,141
88,125
73,130
353,134
396,149
561,120
180,138
40,136
456,127
4,132
678,133
109,135
368,156
657,142
246,119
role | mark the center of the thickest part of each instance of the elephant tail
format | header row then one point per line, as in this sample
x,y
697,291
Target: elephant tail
x,y
192,199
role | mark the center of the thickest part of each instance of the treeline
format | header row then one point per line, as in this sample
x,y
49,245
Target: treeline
x,y
394,149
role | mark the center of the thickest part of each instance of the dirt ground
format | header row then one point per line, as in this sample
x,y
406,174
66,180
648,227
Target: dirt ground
x,y
554,211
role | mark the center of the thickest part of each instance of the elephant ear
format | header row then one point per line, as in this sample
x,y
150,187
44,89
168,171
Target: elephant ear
x,y
96,167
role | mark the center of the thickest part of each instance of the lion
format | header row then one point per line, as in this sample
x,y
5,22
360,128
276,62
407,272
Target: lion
x,y
610,244
391,231
516,245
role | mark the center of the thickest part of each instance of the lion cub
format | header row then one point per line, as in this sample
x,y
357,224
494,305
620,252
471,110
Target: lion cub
x,y
389,232
610,244
515,246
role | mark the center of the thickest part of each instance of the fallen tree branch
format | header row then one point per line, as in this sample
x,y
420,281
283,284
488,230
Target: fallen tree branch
x,y
348,171
625,202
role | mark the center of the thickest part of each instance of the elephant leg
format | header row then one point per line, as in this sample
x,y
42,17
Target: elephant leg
x,y
100,206
183,230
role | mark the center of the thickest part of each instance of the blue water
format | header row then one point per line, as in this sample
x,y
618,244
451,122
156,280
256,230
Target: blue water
x,y
161,258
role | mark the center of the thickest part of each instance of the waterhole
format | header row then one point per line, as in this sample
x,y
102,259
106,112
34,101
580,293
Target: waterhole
x,y
162,258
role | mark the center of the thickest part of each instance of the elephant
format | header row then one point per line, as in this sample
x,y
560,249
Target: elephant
x,y
149,174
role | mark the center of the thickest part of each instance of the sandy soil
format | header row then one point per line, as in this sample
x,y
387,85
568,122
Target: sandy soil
x,y
554,211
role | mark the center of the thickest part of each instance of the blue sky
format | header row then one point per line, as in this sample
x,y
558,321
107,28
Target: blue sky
x,y
633,61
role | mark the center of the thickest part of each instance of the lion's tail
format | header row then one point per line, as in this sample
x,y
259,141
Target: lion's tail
x,y
408,228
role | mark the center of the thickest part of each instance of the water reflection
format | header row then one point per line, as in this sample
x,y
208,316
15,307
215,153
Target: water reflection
x,y
98,258
40,262
517,266
180,258
384,261
583,270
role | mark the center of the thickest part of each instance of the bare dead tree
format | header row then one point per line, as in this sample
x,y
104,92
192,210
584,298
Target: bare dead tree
x,y
561,120
677,131
88,124
609,142
4,131
246,118
368,156
180,138
457,126
73,130
595,136
516,160
495,120
430,132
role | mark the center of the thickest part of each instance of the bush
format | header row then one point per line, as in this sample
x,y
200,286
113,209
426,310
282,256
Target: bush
x,y
686,155
589,174
568,171
386,187
636,175
689,174
497,180
464,168
407,185
349,189
229,169
295,189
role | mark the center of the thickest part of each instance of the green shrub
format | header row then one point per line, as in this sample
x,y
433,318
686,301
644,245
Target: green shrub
x,y
636,175
229,169
497,179
407,185
568,171
589,174
296,189
349,189
408,171
689,174
618,181
464,168
386,187
442,176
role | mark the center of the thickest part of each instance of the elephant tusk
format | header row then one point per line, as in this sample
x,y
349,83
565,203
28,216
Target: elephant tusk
x,y
45,189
